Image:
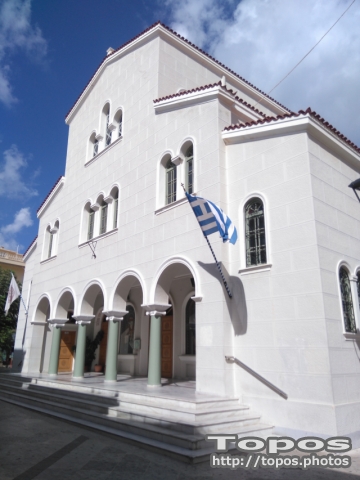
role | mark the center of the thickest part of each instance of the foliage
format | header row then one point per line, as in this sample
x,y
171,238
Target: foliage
x,y
7,323
91,346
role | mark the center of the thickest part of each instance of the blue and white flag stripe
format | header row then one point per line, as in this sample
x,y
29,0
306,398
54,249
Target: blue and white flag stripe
x,y
212,219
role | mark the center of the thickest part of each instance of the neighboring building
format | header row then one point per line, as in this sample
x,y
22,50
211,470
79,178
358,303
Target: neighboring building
x,y
159,112
10,260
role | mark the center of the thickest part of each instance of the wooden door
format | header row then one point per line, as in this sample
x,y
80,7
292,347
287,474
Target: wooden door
x,y
166,346
66,354
103,343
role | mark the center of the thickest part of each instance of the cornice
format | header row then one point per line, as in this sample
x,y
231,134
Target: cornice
x,y
50,196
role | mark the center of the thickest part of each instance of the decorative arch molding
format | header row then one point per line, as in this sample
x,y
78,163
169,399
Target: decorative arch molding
x,y
65,290
127,274
91,283
241,229
173,261
350,314
184,174
44,296
185,142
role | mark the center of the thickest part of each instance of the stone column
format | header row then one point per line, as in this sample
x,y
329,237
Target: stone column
x,y
114,317
154,371
81,321
57,323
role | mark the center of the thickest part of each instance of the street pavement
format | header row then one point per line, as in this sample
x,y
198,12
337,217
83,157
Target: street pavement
x,y
37,446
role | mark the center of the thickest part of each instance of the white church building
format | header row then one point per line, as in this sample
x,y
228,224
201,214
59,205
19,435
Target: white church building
x,y
120,250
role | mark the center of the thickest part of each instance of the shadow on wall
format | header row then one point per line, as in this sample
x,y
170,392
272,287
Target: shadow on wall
x,y
237,304
18,360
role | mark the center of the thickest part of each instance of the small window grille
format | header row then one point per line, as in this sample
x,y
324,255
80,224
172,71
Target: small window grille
x,y
255,233
108,132
170,182
346,300
190,328
96,147
103,218
51,239
91,225
116,208
189,158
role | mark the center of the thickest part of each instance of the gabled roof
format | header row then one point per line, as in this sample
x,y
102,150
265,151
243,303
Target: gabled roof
x,y
57,184
161,27
309,112
32,244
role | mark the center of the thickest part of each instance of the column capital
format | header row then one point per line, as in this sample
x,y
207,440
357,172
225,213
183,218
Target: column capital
x,y
156,309
57,322
353,278
83,319
115,315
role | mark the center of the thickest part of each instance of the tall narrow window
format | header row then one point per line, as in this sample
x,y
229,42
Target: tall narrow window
x,y
170,182
51,240
95,147
190,338
189,159
120,125
91,225
346,300
255,233
116,208
358,286
103,217
108,131
127,331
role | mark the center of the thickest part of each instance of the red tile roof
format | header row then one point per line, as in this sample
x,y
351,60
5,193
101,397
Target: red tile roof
x,y
48,195
31,244
308,111
184,40
206,87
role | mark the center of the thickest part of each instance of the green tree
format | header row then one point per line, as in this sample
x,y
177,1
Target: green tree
x,y
7,322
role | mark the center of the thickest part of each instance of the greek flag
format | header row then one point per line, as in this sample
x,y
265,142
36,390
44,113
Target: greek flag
x,y
212,219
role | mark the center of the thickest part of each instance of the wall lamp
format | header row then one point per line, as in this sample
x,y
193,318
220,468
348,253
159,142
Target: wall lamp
x,y
355,185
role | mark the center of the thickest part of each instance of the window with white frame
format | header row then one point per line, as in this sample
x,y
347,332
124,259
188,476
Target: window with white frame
x,y
118,120
91,223
255,239
115,207
103,217
170,182
347,301
51,241
189,169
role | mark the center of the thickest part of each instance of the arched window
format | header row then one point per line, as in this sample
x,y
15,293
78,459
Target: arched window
x,y
50,247
358,286
189,169
346,300
170,182
103,217
51,241
127,331
118,120
90,233
106,116
116,208
255,232
93,146
190,325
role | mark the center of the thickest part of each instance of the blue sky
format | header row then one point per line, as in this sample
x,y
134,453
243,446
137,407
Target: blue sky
x,y
50,49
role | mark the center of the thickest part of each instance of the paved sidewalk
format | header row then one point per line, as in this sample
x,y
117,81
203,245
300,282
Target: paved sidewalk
x,y
36,446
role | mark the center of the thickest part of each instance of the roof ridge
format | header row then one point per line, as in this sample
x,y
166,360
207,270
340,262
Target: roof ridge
x,y
31,244
186,41
308,111
50,192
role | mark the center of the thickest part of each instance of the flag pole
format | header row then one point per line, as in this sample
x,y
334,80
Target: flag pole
x,y
213,254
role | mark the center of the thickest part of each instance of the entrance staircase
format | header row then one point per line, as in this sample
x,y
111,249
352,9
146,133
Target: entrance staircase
x,y
172,419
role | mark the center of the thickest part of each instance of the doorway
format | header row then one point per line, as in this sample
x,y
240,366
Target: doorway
x,y
66,354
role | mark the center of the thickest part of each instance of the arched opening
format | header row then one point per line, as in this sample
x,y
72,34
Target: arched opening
x,y
176,285
40,345
65,309
134,328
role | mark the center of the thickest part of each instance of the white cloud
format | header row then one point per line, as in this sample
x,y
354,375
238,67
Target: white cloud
x,y
22,219
11,183
263,40
16,32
